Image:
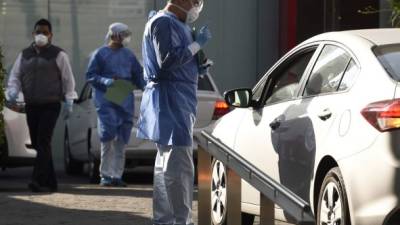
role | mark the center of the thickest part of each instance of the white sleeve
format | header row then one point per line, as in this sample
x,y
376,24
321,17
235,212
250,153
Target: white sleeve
x,y
68,80
14,82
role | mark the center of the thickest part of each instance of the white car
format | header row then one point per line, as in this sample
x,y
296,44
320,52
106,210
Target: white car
x,y
17,150
82,143
324,122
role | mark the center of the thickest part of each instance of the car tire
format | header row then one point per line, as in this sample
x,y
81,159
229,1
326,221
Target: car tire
x,y
332,200
219,187
71,166
94,173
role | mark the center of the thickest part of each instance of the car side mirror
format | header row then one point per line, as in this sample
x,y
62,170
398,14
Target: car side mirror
x,y
239,98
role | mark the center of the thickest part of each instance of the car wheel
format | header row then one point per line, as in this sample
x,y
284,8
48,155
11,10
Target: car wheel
x,y
219,196
332,201
71,166
94,173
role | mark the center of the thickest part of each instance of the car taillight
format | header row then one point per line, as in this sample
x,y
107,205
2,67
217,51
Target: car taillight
x,y
383,115
220,109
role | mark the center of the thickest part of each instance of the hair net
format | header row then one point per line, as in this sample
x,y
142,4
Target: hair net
x,y
119,29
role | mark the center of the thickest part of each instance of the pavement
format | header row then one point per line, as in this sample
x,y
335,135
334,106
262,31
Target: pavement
x,y
77,202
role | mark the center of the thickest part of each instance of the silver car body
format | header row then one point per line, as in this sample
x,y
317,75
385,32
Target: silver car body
x,y
306,146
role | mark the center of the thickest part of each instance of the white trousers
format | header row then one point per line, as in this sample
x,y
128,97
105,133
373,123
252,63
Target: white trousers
x,y
173,186
112,162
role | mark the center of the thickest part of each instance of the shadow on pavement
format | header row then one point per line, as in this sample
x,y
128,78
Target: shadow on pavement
x,y
15,211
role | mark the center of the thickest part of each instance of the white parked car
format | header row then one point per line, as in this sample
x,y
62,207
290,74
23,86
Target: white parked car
x,y
324,122
17,151
82,143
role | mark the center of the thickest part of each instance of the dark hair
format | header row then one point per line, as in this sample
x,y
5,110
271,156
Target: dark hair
x,y
43,22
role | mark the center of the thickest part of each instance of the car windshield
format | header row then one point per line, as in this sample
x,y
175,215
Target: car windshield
x,y
389,56
204,83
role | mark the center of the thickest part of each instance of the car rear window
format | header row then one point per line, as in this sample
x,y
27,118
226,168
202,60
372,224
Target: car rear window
x,y
389,56
205,83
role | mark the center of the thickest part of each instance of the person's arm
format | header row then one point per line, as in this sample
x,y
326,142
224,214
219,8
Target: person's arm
x,y
170,51
68,80
14,82
93,74
137,76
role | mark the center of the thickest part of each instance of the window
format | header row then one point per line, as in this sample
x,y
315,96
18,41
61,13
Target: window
x,y
328,71
257,93
204,83
286,84
349,76
389,56
86,92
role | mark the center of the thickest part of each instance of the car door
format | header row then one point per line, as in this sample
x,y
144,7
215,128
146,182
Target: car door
x,y
82,120
307,124
258,135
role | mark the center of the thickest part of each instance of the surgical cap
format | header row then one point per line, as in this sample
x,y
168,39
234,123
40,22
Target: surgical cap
x,y
119,29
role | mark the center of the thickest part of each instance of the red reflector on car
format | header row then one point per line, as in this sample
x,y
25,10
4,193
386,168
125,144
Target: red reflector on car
x,y
383,115
220,109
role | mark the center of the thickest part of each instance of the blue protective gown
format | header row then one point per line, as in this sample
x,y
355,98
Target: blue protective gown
x,y
168,107
114,120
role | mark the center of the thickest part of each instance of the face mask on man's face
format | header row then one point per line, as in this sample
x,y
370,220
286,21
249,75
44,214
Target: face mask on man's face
x,y
126,41
193,14
41,40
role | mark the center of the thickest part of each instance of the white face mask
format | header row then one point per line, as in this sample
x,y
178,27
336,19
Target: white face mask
x,y
41,40
126,41
192,15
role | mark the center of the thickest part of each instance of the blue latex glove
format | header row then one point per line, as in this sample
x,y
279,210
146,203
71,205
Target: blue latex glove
x,y
68,108
203,36
107,81
12,96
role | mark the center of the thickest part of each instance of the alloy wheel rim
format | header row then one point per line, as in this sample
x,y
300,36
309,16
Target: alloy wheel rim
x,y
331,206
218,193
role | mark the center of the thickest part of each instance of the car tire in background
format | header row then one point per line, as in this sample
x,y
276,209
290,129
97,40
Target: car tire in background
x,y
219,187
332,201
71,166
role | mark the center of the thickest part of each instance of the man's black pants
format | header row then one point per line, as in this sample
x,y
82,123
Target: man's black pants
x,y
41,122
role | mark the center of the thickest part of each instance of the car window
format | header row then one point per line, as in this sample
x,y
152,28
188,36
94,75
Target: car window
x,y
389,57
328,71
86,92
204,83
349,76
257,92
286,84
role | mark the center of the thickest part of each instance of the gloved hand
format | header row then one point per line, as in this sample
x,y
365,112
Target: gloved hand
x,y
68,108
12,96
107,81
203,36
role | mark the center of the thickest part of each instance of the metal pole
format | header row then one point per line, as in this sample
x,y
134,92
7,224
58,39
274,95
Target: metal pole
x,y
234,198
267,211
204,185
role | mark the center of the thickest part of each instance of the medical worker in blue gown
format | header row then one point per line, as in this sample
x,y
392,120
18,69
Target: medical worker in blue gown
x,y
168,107
108,63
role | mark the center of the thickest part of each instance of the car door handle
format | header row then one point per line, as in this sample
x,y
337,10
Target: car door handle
x,y
325,115
275,124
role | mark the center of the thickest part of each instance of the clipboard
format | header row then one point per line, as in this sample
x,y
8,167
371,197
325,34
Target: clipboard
x,y
119,91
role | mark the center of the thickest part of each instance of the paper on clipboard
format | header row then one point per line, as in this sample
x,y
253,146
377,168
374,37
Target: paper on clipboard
x,y
118,92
